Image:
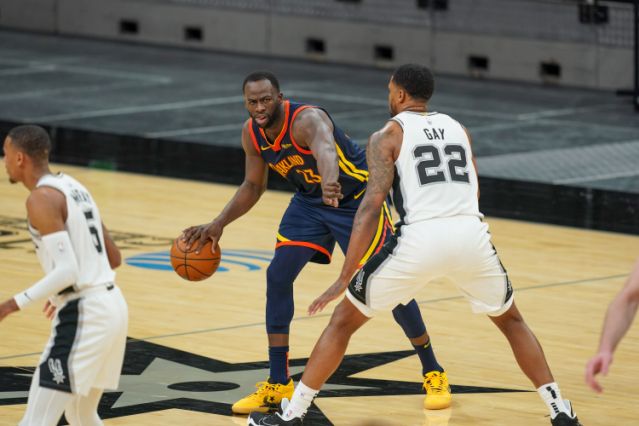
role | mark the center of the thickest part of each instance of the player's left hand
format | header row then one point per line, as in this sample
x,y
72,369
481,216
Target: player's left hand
x,y
329,295
49,310
600,363
332,193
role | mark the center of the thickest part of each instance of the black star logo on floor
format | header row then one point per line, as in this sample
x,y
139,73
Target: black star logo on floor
x,y
156,378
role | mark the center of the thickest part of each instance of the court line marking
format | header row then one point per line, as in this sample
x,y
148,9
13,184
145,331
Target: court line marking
x,y
305,318
238,126
60,66
563,111
138,109
103,72
83,89
28,70
515,155
378,102
518,118
596,178
194,130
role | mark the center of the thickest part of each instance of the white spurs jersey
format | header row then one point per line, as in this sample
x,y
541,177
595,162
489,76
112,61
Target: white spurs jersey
x,y
435,176
85,231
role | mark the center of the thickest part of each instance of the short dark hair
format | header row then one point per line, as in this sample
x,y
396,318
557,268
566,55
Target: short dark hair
x,y
416,79
259,76
32,140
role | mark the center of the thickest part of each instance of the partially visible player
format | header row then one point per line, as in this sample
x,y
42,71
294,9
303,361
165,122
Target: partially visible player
x,y
621,313
426,159
302,144
85,352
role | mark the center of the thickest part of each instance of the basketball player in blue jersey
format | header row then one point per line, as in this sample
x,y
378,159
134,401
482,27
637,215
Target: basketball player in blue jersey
x,y
303,145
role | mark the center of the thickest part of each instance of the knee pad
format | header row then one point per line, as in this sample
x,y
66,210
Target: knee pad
x,y
280,275
409,317
279,301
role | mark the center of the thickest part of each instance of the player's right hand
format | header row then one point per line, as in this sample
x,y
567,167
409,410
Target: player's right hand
x,y
332,293
600,363
332,193
198,235
49,310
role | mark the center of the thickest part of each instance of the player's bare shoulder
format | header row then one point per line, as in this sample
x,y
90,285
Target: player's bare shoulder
x,y
387,141
308,122
248,143
46,209
45,198
246,128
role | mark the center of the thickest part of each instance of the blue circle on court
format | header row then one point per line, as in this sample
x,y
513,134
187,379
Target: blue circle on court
x,y
249,260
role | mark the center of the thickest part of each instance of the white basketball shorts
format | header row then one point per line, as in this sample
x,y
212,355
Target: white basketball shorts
x,y
87,342
457,248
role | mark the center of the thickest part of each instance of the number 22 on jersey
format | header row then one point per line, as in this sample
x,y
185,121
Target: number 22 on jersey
x,y
447,163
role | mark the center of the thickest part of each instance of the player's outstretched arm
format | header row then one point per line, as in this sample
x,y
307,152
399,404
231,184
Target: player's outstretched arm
x,y
246,196
619,317
313,129
46,209
381,153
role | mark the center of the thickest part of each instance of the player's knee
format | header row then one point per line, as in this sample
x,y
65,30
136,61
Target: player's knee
x,y
509,320
279,312
280,275
278,282
81,412
279,292
346,318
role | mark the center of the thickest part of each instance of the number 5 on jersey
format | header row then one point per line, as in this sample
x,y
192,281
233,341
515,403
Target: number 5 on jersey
x,y
430,168
88,214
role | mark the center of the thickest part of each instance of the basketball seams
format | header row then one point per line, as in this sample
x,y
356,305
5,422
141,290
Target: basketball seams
x,y
183,260
195,258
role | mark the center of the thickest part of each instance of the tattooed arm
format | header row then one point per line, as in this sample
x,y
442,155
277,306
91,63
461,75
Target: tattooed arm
x,y
381,153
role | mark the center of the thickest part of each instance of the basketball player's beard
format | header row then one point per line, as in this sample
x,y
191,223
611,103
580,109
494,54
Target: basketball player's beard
x,y
271,118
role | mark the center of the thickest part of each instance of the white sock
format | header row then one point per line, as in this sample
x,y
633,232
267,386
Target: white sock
x,y
551,395
302,399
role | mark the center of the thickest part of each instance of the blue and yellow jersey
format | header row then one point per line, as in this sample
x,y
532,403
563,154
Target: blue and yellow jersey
x,y
297,164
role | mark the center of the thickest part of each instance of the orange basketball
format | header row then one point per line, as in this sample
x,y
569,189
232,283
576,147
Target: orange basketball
x,y
192,266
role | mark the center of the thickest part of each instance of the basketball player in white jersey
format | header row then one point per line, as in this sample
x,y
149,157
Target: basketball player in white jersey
x,y
425,158
85,352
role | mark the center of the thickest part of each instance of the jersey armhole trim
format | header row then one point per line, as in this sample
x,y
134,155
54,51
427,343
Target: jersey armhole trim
x,y
290,130
398,121
254,138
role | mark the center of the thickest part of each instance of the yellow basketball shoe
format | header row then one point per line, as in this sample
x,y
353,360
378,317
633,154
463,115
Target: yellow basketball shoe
x,y
266,398
437,390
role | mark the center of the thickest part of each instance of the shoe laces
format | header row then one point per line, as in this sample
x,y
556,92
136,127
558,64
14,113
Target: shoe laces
x,y
434,381
263,387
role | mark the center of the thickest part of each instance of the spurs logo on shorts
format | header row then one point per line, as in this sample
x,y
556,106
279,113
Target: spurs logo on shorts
x,y
55,367
359,282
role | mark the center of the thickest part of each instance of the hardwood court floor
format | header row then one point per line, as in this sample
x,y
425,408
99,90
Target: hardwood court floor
x,y
564,279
